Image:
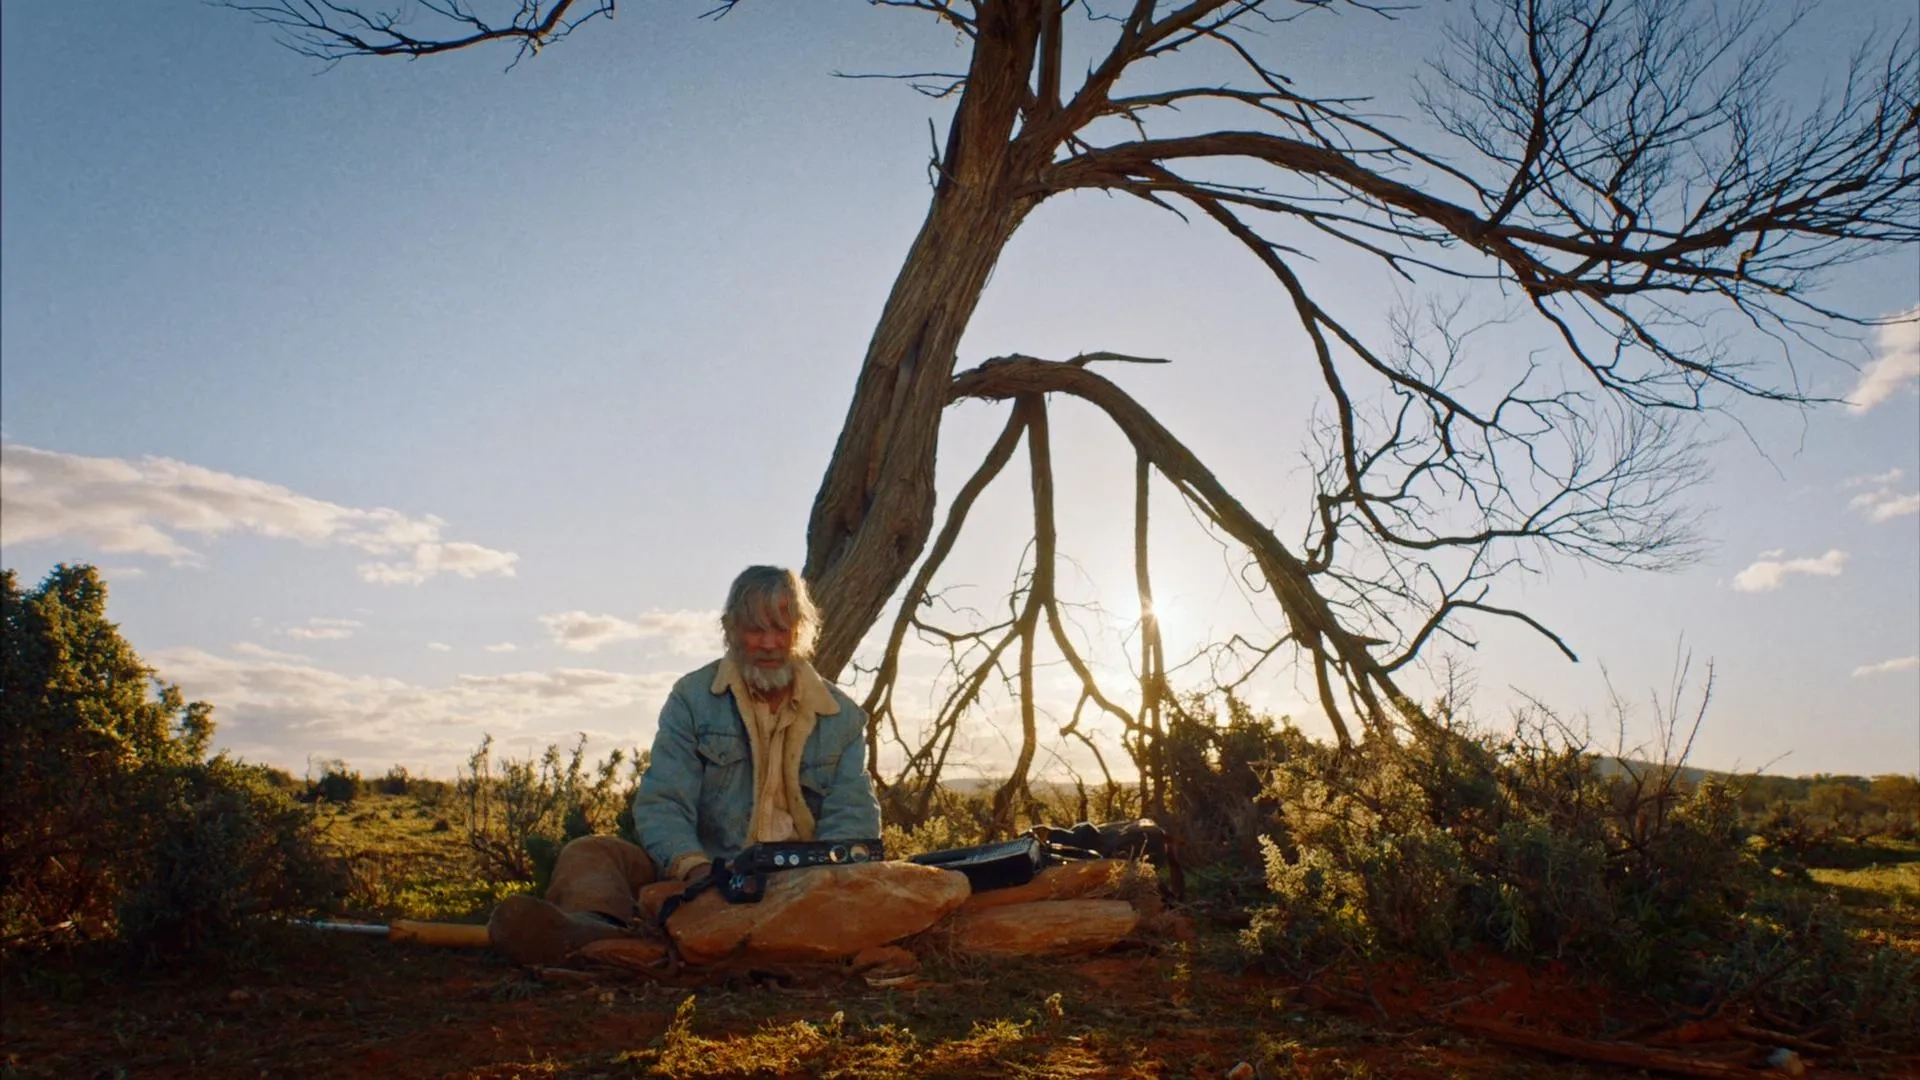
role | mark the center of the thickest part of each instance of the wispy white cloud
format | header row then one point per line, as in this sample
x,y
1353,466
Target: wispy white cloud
x,y
144,506
1904,663
583,631
1883,505
261,652
456,557
1895,364
439,646
284,712
1884,502
324,629
1891,476
685,632
1770,572
504,646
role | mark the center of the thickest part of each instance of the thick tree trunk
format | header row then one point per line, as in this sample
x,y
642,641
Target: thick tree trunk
x,y
875,508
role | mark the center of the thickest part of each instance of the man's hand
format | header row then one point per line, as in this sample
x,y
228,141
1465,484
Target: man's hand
x,y
693,866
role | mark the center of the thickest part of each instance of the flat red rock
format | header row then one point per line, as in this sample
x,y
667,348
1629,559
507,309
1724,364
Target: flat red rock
x,y
817,914
1044,928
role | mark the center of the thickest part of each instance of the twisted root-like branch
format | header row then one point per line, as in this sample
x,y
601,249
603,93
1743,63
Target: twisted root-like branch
x,y
1312,621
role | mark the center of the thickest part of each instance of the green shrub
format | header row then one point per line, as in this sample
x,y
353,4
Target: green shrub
x,y
938,833
1216,771
1535,847
397,781
337,784
1799,962
222,845
1802,813
1360,863
117,825
280,778
1522,844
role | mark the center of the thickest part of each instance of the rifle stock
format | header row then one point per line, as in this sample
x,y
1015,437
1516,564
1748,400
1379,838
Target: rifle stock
x,y
446,935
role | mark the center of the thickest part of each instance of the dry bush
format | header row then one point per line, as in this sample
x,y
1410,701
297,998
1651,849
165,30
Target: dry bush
x,y
520,811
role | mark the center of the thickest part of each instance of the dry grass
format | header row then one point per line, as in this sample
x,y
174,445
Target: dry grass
x,y
409,860
1878,882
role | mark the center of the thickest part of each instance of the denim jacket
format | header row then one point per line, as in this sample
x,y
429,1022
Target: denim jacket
x,y
697,794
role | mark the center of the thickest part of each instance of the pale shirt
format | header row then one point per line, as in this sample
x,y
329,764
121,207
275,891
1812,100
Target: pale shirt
x,y
769,729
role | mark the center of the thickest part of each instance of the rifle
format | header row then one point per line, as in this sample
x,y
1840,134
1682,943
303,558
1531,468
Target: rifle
x,y
449,935
743,878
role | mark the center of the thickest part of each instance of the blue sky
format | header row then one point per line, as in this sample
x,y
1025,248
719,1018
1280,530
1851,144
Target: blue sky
x,y
403,402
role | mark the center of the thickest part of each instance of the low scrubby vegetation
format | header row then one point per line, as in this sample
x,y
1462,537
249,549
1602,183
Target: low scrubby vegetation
x,y
1789,901
1713,893
1538,849
519,812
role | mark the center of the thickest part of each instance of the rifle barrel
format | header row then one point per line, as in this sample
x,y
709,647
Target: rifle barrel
x,y
343,927
454,935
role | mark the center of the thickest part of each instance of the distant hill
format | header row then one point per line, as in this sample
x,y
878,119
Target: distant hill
x,y
1617,766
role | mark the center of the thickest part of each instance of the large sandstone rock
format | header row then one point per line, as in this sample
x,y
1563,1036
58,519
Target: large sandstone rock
x,y
818,914
1067,881
1043,928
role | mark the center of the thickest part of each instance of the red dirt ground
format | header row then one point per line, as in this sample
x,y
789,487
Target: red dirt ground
x,y
354,1008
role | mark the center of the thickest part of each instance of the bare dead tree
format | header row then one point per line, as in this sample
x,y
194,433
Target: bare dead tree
x,y
1623,169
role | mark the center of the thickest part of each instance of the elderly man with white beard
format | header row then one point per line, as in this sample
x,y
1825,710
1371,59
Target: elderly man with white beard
x,y
753,748
756,747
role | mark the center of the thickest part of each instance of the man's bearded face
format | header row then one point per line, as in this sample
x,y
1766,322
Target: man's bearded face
x,y
765,657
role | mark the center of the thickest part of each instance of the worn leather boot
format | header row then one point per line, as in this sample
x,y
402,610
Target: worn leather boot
x,y
530,931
